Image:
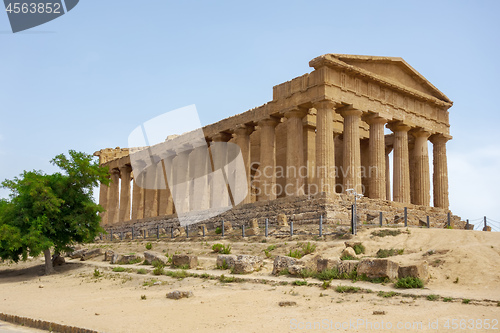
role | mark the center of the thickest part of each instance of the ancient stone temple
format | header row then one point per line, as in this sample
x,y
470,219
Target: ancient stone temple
x,y
328,131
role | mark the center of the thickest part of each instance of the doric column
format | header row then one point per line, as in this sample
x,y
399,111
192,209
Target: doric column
x,y
103,201
294,152
325,147
114,197
352,158
138,197
309,137
125,172
219,180
440,176
267,181
199,166
388,150
377,153
401,192
151,187
180,188
242,138
421,173
167,167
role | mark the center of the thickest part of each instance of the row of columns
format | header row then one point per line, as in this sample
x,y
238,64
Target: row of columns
x,y
195,163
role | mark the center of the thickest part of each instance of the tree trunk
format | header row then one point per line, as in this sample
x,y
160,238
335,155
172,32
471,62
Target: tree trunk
x,y
48,262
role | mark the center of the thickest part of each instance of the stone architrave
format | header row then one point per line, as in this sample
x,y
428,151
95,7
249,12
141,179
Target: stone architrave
x,y
242,138
294,153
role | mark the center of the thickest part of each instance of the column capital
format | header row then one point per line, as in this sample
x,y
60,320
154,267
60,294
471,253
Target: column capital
x,y
440,138
373,118
295,113
269,121
329,104
221,137
398,126
349,111
420,133
125,168
114,171
243,130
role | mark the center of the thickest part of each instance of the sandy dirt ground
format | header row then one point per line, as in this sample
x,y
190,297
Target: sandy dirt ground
x,y
464,265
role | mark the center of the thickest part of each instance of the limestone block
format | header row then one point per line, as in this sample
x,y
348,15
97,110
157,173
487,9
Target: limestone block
x,y
252,232
184,260
92,254
245,264
420,270
128,235
116,237
128,259
378,268
150,256
324,264
281,263
487,228
347,266
58,261
108,255
179,294
348,251
228,227
228,259
296,269
254,224
352,244
78,254
282,220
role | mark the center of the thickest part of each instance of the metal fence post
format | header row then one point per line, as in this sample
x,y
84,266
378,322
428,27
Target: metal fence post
x,y
320,225
242,231
187,232
222,228
132,233
171,232
380,218
203,227
485,223
428,222
467,225
449,220
158,232
111,235
406,216
267,227
291,228
121,236
353,231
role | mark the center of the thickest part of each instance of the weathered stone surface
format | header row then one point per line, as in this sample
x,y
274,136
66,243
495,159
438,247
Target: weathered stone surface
x,y
252,232
115,258
78,254
296,269
58,261
420,270
282,263
108,254
228,227
254,223
245,264
189,261
349,251
150,256
128,235
287,303
323,264
200,229
92,254
177,294
347,266
378,268
228,259
128,259
487,228
352,244
282,220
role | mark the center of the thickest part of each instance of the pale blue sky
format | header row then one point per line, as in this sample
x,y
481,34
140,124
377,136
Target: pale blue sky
x,y
85,80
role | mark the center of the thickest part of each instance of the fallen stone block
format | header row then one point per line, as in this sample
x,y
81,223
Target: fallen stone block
x,y
184,260
420,270
282,263
226,260
245,264
150,256
78,254
378,268
108,254
92,254
324,264
347,266
129,259
179,294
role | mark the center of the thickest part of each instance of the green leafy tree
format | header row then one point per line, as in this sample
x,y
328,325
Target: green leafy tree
x,y
51,211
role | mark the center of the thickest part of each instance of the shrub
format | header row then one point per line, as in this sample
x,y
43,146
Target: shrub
x,y
432,297
143,297
447,299
386,232
387,294
158,271
157,263
284,272
177,274
409,282
97,273
119,269
142,271
384,253
218,230
299,283
295,254
325,285
308,248
217,247
346,289
347,257
359,248
225,250
328,274
229,279
224,265
149,246
466,301
305,273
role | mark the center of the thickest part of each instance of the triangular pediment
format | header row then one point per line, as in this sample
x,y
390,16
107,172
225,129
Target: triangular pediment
x,y
393,69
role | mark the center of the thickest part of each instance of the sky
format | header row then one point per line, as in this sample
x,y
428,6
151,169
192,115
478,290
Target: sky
x,y
85,80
